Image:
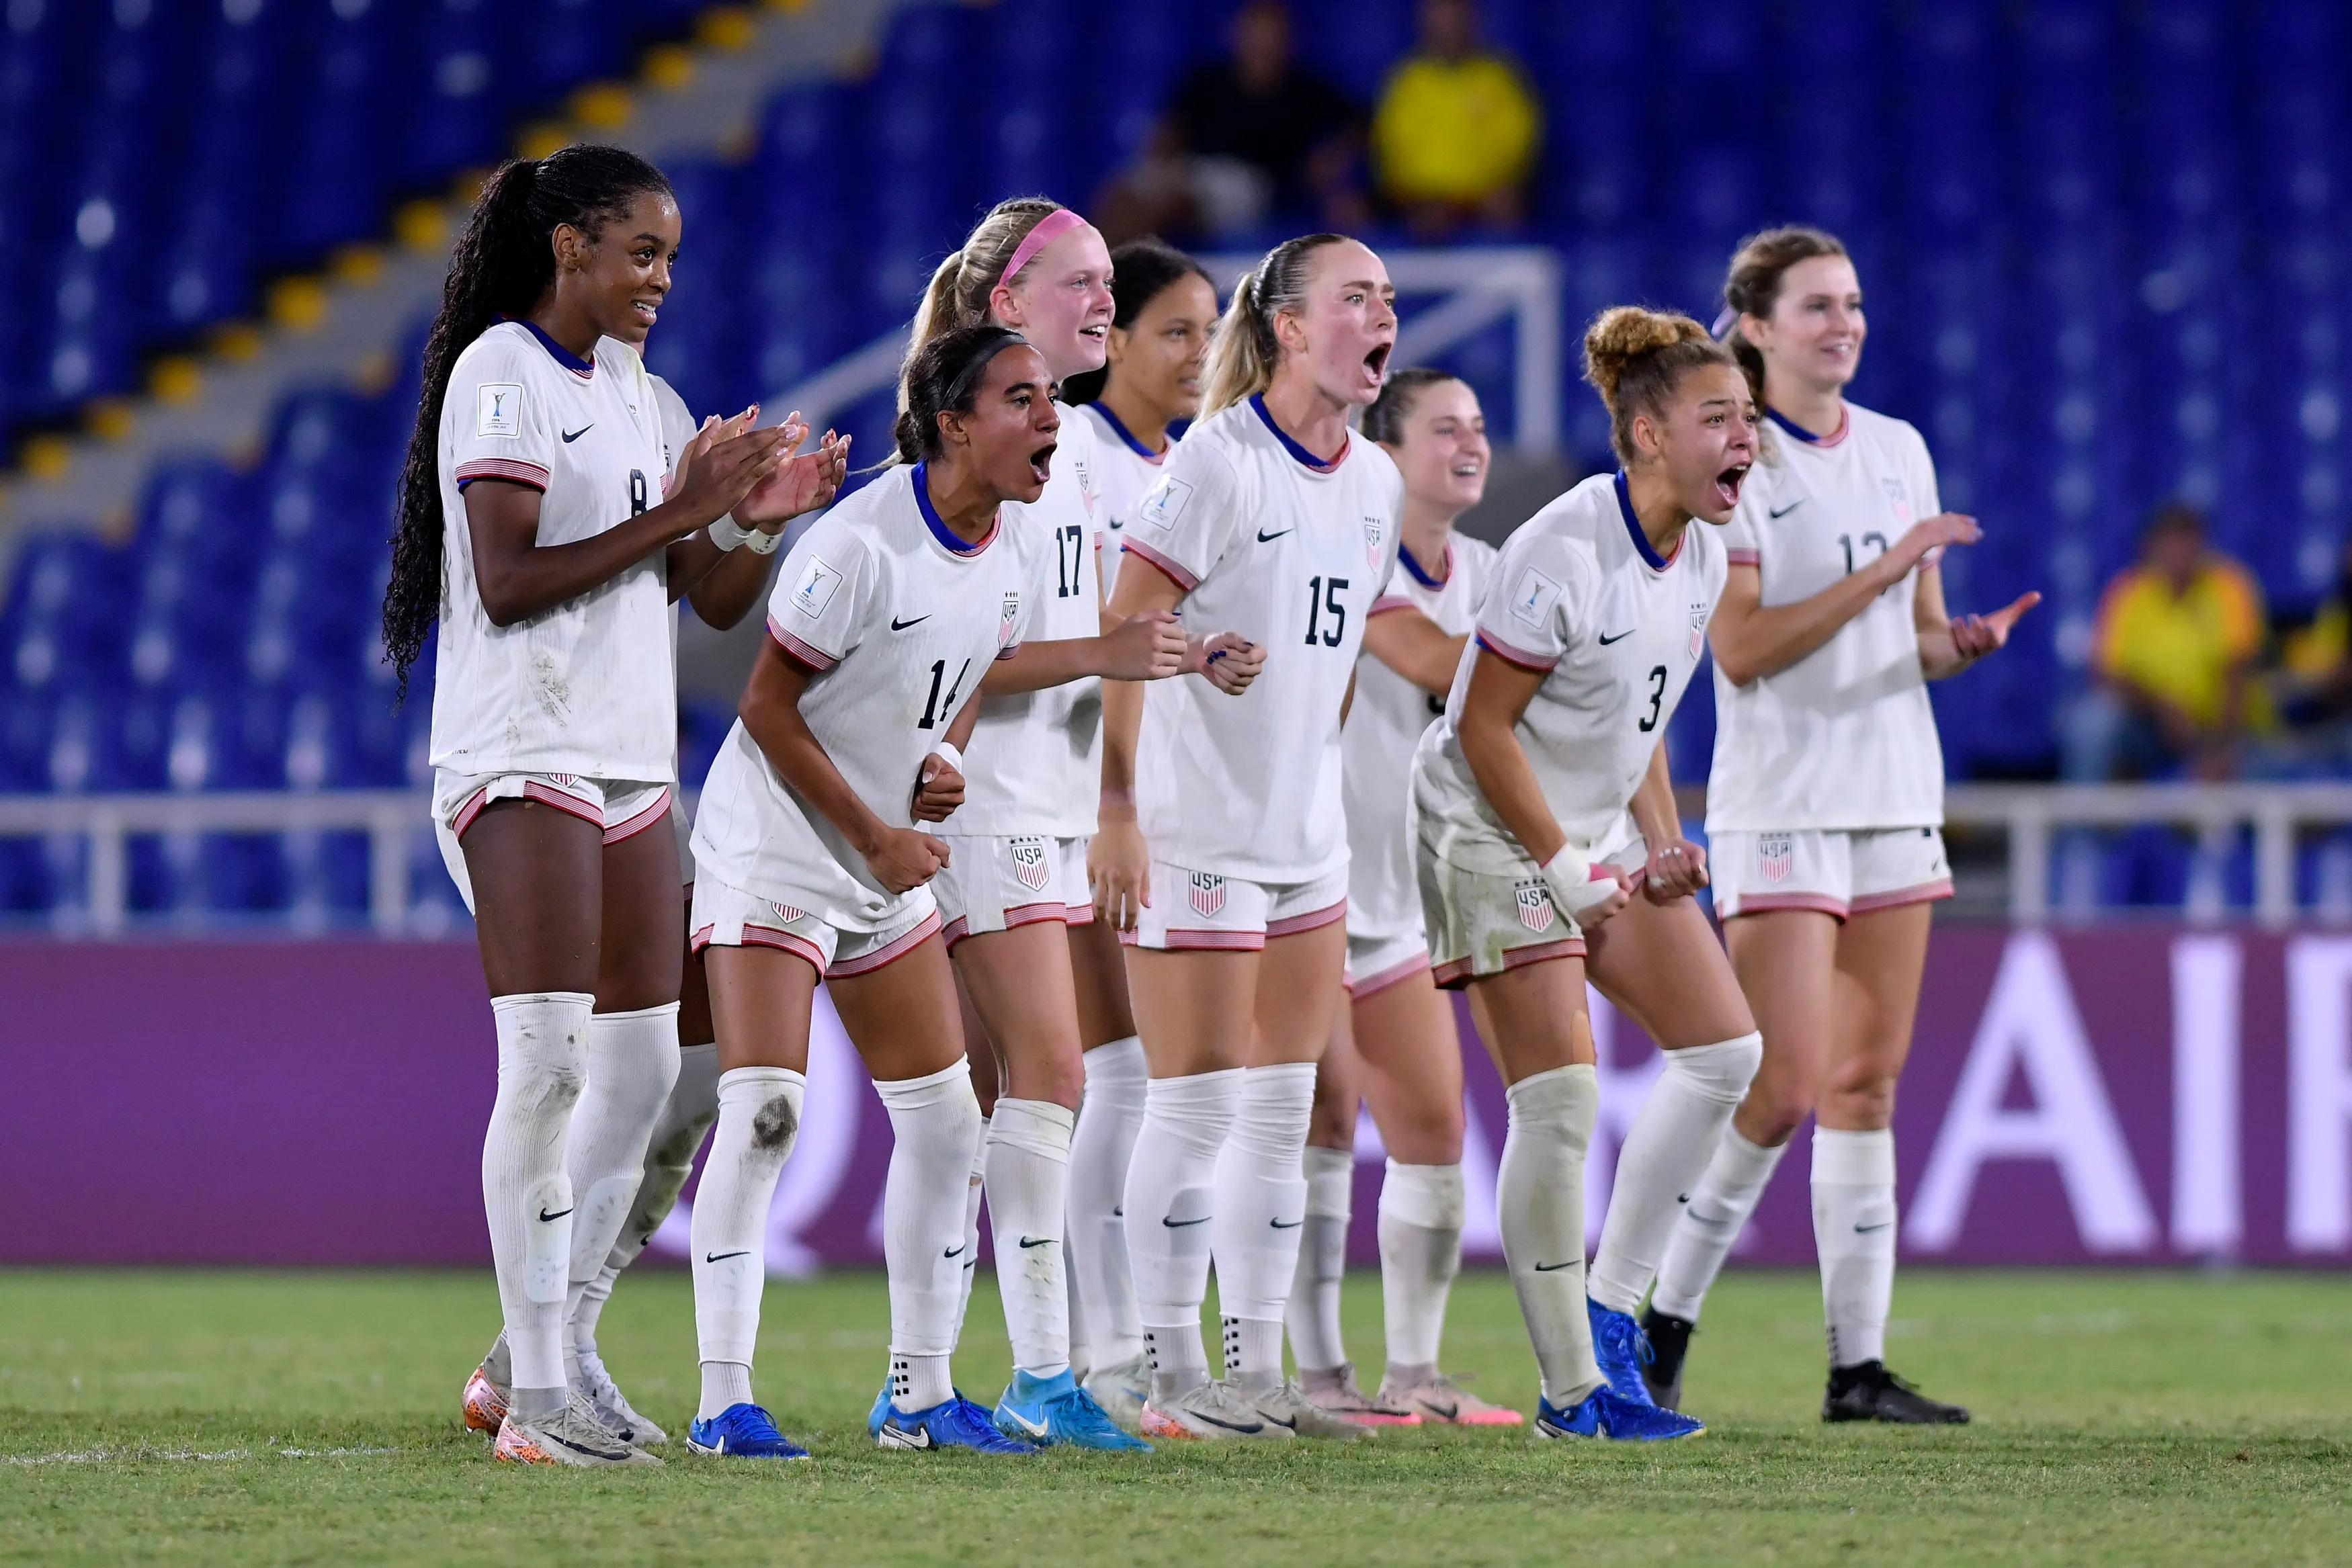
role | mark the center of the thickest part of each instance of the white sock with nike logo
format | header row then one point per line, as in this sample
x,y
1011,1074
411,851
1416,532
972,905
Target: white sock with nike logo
x,y
1313,1317
1169,1202
972,1193
1028,1162
1540,1202
677,1137
632,1065
542,1067
758,1120
1102,1292
1665,1152
1711,1222
1854,1233
935,1133
1261,1207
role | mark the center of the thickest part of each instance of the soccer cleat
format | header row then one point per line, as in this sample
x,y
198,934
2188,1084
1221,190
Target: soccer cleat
x,y
1603,1414
1622,1351
1286,1405
742,1432
1055,1412
953,1423
1210,1412
573,1436
1121,1390
1335,1393
1438,1398
1669,1338
485,1402
880,1412
1868,1392
614,1409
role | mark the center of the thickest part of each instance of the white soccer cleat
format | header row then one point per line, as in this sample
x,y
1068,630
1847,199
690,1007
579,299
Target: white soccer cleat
x,y
1286,1405
573,1436
611,1406
1121,1390
1437,1398
1212,1412
1336,1393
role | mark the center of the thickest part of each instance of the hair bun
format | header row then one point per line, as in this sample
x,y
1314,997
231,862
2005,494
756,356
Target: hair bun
x,y
1623,333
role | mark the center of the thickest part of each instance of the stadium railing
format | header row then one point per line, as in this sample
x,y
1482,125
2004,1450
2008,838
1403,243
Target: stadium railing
x,y
2031,815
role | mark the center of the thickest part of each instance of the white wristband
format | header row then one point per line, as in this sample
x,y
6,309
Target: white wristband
x,y
1577,886
729,534
759,541
947,752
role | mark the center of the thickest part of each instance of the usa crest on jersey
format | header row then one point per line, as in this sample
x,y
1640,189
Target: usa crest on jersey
x,y
1375,531
1535,912
1208,893
1775,856
1029,862
1698,629
1012,616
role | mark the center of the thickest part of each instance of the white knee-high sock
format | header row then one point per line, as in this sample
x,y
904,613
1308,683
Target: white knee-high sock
x,y
669,1159
935,1131
1420,1251
1261,1207
758,1120
1717,1211
1314,1309
975,1187
1094,1240
543,1069
1028,1205
1540,1202
631,1067
1854,1232
1168,1202
1667,1149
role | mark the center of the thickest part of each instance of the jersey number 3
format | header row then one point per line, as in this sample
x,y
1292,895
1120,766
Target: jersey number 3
x,y
1657,698
1323,601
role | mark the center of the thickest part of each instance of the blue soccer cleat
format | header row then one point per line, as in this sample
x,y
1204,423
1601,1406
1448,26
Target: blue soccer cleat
x,y
742,1432
881,1411
1622,1350
953,1423
1603,1414
1055,1412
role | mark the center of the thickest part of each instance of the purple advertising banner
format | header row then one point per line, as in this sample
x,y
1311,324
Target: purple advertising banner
x,y
2129,1096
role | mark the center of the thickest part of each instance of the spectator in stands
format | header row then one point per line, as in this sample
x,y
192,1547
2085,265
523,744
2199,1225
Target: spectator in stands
x,y
2175,648
1456,130
1252,137
2314,684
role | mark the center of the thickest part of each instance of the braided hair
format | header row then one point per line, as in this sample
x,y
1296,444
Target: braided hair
x,y
503,264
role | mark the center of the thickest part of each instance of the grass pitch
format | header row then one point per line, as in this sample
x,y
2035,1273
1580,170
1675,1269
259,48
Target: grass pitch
x,y
253,1418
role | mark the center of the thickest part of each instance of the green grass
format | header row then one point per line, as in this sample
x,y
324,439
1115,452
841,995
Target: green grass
x,y
2121,1419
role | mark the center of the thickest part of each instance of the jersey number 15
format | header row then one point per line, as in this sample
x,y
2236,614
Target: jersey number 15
x,y
1322,602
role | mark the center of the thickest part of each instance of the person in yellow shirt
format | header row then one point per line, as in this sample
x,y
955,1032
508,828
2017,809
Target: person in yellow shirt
x,y
1456,130
2174,653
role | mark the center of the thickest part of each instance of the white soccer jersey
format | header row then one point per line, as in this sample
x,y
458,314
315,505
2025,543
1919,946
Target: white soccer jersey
x,y
1844,737
1035,764
1291,552
589,687
896,619
1578,594
1126,470
1384,728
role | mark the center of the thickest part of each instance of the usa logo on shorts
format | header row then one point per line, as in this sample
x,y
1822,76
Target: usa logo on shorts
x,y
1535,912
1208,893
1774,857
1029,862
785,912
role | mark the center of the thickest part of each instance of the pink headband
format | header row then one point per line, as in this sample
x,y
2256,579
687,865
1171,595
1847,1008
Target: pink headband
x,y
1050,228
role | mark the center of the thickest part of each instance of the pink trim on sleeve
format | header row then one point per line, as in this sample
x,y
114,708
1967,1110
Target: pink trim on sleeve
x,y
1168,569
1510,656
816,659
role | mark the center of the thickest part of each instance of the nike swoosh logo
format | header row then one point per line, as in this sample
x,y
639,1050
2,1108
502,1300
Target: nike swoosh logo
x,y
571,435
1682,1197
723,1257
1272,1420
1867,1229
1232,1426
1035,1428
921,1437
1548,1267
1279,1225
1619,638
1028,1241
1786,510
1443,1412
955,1251
897,625
1118,1213
1266,538
545,1217
1180,1224
576,1447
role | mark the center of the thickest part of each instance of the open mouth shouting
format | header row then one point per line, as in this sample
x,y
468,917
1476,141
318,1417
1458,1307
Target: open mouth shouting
x,y
1728,483
1376,363
1041,462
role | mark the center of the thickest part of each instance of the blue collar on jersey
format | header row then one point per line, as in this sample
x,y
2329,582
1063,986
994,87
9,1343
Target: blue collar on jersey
x,y
1655,562
948,538
1121,431
1307,458
1405,558
1802,434
557,351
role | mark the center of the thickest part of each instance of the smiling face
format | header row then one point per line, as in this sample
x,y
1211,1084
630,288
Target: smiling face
x,y
1006,440
1062,303
1443,452
1341,334
622,276
1158,355
1813,336
1704,441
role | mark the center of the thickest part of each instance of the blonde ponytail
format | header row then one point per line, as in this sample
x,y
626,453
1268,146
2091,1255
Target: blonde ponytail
x,y
1245,352
958,291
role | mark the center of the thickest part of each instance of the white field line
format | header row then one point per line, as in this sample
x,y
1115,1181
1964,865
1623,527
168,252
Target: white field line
x,y
137,1456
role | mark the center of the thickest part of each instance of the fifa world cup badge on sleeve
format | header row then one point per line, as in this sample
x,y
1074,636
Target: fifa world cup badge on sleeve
x,y
500,408
814,591
1532,599
1165,504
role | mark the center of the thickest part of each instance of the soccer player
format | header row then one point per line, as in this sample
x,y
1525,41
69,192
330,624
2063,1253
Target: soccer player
x,y
1222,850
530,527
1162,310
1394,1045
1550,848
1825,807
